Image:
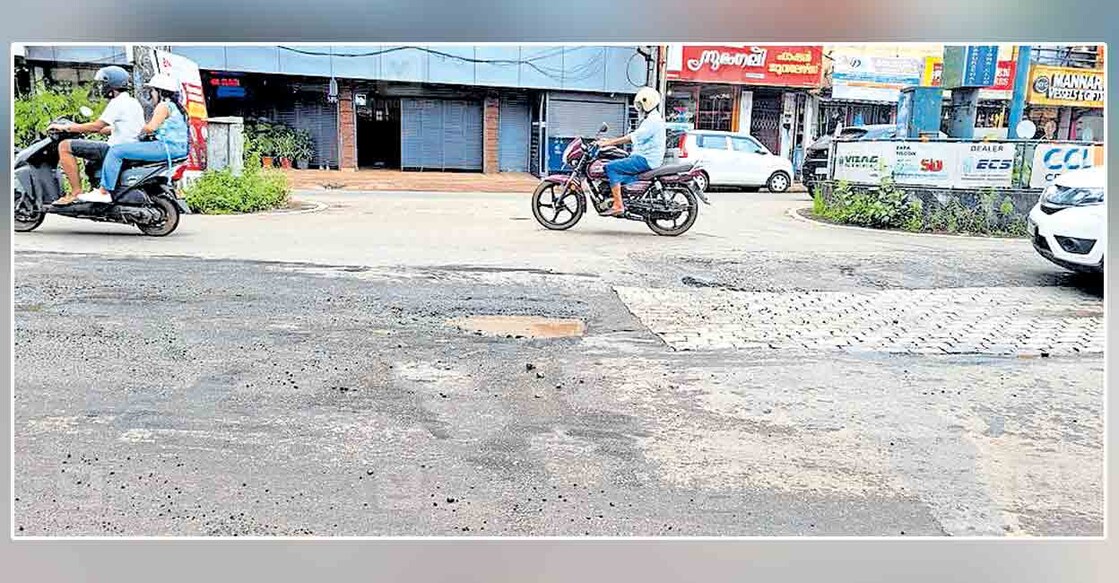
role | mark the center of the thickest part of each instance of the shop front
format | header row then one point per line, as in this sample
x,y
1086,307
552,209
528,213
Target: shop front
x,y
994,101
1066,103
755,89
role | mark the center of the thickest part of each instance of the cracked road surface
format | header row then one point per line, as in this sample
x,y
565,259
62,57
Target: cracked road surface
x,y
309,375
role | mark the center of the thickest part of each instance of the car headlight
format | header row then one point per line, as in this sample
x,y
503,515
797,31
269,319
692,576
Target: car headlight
x,y
1045,194
1065,196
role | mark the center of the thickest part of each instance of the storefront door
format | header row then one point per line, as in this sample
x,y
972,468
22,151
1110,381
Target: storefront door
x,y
765,120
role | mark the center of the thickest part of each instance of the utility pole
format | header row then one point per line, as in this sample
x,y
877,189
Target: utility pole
x,y
1018,101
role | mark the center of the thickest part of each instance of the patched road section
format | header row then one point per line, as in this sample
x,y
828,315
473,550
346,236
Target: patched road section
x,y
1002,321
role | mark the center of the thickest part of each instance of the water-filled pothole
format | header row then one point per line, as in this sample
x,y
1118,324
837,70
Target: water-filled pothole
x,y
523,326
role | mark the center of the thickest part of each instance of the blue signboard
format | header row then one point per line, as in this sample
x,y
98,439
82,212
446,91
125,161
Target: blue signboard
x,y
982,64
969,67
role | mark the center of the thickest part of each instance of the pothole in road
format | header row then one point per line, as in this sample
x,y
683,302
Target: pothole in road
x,y
521,326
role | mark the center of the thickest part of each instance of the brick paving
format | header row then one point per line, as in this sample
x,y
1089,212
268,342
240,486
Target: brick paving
x,y
1004,321
396,180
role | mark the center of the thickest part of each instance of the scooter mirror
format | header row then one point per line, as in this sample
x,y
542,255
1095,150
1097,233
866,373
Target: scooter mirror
x,y
603,129
86,112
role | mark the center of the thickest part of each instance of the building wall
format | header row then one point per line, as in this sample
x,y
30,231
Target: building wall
x,y
603,69
490,120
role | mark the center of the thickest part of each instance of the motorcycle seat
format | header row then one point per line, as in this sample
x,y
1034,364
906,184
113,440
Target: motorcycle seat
x,y
129,164
664,171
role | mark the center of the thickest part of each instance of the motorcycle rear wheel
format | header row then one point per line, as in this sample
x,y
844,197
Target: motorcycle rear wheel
x,y
168,224
549,198
28,220
676,225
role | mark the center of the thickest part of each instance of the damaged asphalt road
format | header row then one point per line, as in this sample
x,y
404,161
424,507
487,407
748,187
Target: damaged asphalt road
x,y
182,396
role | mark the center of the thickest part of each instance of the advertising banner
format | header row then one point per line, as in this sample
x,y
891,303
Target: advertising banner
x,y
1057,86
776,65
933,164
984,165
151,61
925,163
1052,160
873,78
864,162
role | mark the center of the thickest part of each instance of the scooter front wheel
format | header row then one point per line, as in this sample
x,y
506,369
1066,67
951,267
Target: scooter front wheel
x,y
168,222
557,207
27,216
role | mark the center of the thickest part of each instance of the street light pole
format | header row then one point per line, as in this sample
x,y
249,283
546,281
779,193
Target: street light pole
x,y
1018,101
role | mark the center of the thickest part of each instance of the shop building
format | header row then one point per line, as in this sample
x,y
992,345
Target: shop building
x,y
760,90
1065,95
448,108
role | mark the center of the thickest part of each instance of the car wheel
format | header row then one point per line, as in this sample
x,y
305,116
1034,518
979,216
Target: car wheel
x,y
779,182
702,181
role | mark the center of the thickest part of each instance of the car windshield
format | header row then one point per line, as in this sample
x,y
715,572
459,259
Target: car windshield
x,y
1068,196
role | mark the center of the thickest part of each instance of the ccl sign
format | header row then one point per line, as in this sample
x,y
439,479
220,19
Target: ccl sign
x,y
1052,160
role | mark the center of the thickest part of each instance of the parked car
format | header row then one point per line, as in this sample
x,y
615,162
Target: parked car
x,y
1068,225
815,166
731,159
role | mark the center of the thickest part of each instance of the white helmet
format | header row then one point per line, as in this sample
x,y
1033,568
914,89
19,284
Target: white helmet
x,y
163,82
647,99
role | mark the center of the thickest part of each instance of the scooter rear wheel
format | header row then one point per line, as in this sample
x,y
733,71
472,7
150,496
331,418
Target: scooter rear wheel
x,y
24,219
169,221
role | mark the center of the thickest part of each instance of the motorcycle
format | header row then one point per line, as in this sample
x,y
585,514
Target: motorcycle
x,y
664,198
145,196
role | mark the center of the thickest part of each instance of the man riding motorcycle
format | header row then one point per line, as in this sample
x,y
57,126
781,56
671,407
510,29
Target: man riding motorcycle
x,y
648,146
122,121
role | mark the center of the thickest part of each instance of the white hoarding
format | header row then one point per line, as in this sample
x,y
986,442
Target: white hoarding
x,y
985,165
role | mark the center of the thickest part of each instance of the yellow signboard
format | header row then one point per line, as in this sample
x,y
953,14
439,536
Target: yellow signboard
x,y
1066,86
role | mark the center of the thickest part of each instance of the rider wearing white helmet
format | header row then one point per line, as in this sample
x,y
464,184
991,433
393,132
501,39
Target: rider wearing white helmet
x,y
169,126
648,146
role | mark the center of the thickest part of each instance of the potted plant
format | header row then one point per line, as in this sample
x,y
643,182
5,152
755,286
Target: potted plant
x,y
285,146
265,144
304,149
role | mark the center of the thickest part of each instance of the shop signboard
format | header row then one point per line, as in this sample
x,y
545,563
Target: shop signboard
x,y
1052,160
865,77
1066,86
774,65
1003,87
969,66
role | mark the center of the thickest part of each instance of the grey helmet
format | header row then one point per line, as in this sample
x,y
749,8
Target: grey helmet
x,y
111,78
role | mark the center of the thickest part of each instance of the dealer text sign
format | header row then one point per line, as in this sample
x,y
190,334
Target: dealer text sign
x,y
1066,86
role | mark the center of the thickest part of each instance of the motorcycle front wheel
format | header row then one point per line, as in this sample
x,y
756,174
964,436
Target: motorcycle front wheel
x,y
557,207
677,223
26,216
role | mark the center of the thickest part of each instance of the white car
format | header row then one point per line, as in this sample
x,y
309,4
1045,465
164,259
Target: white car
x,y
730,159
1068,225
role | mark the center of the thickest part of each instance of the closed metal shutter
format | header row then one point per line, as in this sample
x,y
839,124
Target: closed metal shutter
x,y
321,119
574,116
571,117
438,134
513,134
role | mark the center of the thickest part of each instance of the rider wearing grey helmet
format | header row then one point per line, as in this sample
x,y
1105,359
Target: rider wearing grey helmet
x,y
122,121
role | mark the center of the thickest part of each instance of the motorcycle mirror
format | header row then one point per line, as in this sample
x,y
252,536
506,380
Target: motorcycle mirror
x,y
86,112
603,128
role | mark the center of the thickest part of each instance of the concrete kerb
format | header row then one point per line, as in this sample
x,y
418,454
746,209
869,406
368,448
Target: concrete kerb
x,y
794,212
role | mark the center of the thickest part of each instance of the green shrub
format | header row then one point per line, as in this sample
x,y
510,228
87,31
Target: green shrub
x,y
35,111
219,192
